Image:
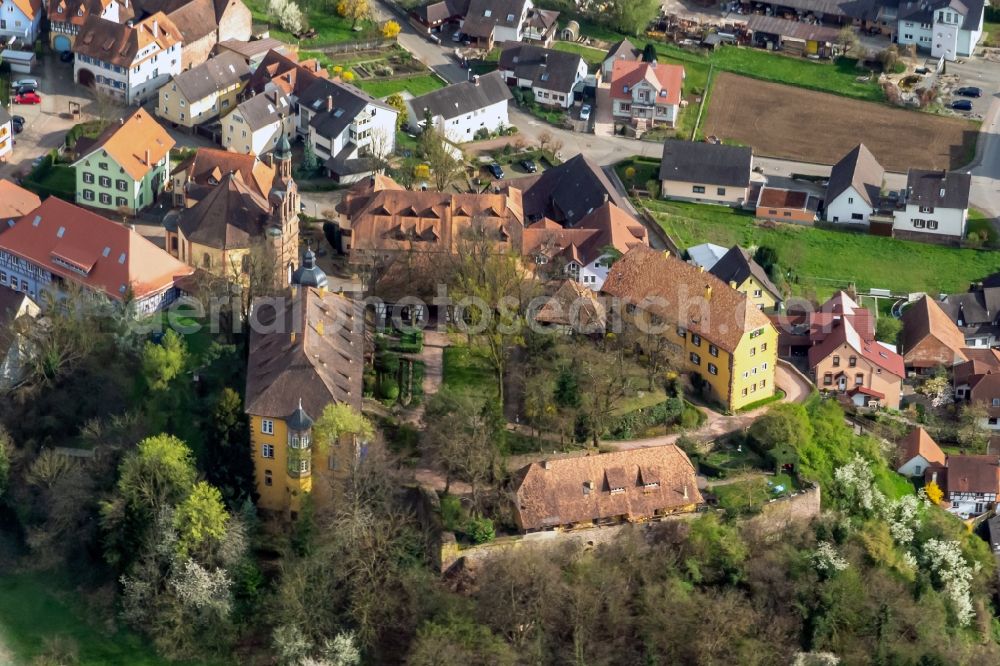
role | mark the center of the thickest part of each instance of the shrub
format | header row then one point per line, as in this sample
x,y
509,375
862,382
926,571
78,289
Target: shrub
x,y
389,388
387,363
480,530
451,513
369,383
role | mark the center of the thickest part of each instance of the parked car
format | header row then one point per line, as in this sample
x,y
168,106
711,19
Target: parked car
x,y
18,119
529,166
969,91
24,90
496,170
585,112
24,82
66,56
18,127
962,105
456,37
28,98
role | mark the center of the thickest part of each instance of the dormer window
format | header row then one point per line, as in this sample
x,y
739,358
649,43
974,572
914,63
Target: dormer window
x,y
510,18
488,13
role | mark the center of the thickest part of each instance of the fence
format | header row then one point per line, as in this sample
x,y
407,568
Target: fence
x,y
360,45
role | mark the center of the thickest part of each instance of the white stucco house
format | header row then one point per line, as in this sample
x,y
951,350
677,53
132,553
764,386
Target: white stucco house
x,y
854,189
551,75
463,110
256,125
646,93
129,61
345,127
935,203
918,452
947,28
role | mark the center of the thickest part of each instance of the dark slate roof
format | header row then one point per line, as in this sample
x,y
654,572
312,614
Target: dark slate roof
x,y
211,76
263,109
709,163
484,15
623,48
230,217
345,101
737,265
436,12
922,11
568,192
977,307
859,169
309,274
462,98
545,68
939,189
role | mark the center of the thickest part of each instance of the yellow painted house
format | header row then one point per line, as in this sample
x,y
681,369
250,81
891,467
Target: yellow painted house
x,y
306,352
738,269
205,92
717,332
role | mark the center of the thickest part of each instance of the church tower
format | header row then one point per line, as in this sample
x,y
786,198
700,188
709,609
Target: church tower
x,y
285,211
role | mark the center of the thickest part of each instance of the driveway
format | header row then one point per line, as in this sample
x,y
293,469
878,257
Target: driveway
x,y
46,123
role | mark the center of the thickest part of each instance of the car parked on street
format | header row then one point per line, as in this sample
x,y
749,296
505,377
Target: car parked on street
x,y
969,91
28,98
24,90
529,166
961,105
66,56
24,82
496,170
585,112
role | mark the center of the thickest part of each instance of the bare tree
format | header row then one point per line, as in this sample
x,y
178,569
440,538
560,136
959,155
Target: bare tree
x,y
445,167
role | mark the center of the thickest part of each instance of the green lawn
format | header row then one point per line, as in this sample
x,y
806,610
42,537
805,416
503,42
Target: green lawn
x,y
330,28
991,34
466,370
589,54
32,611
823,260
646,168
416,85
837,78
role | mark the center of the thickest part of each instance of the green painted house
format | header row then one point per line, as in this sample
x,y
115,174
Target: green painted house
x,y
126,167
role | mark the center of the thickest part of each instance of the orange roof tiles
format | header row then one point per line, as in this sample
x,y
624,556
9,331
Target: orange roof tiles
x,y
626,74
105,256
633,484
136,144
684,295
919,443
16,201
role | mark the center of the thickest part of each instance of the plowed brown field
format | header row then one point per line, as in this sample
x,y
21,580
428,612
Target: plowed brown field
x,y
798,124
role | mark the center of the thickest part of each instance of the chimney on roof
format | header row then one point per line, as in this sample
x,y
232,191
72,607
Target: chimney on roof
x,y
147,157
701,268
933,477
685,491
121,121
546,464
329,103
156,28
732,284
708,292
545,59
475,79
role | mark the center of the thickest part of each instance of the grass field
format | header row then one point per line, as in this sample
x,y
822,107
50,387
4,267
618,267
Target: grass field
x,y
794,123
465,370
31,612
991,34
416,85
823,260
590,55
330,28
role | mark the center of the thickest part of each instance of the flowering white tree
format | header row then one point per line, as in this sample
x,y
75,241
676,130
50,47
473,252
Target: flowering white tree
x,y
903,517
827,560
945,560
857,483
288,15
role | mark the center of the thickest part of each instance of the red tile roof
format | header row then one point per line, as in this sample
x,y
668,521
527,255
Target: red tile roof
x,y
919,443
625,74
106,256
16,201
869,349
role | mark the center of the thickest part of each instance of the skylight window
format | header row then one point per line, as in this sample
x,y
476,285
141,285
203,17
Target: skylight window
x,y
36,221
106,252
338,112
121,258
545,76
510,18
488,13
61,232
